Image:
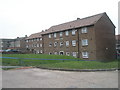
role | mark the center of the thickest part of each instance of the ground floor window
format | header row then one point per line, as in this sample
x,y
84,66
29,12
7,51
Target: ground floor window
x,y
55,53
85,54
74,54
50,53
68,53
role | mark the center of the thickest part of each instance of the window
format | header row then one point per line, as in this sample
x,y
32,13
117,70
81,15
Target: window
x,y
50,44
73,32
61,53
49,35
67,53
27,46
74,43
26,40
55,35
84,30
61,33
40,51
55,44
55,53
66,33
40,39
37,39
67,43
85,54
37,45
40,45
84,42
50,53
61,43
74,54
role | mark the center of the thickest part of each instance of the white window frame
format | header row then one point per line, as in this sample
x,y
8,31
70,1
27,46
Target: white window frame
x,y
85,54
41,51
68,53
50,53
61,34
37,45
60,52
67,33
55,53
61,44
50,44
40,39
55,35
49,35
74,43
67,43
73,32
40,45
55,44
84,30
84,42
74,54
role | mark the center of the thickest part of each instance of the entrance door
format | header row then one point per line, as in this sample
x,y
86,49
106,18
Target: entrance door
x,y
61,53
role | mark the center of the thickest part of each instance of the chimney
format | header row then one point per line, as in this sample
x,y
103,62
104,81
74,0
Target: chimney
x,y
78,18
25,35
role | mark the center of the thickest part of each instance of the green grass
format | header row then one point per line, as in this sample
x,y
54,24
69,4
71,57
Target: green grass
x,y
56,63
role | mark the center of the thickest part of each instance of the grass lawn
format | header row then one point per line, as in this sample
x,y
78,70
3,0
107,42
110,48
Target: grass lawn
x,y
66,64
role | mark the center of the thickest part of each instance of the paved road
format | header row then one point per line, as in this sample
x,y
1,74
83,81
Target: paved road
x,y
39,78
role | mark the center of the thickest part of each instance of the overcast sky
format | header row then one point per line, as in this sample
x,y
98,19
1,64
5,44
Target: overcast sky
x,y
24,17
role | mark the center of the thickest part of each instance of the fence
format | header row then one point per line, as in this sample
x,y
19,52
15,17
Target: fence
x,y
33,61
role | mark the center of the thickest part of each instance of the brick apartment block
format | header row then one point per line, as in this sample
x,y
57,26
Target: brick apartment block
x,y
90,38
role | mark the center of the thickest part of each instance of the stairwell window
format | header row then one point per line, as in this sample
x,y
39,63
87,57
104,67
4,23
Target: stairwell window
x,y
84,30
55,44
84,42
85,55
66,33
73,42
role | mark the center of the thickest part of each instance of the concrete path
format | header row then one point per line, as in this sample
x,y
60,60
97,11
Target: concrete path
x,y
40,78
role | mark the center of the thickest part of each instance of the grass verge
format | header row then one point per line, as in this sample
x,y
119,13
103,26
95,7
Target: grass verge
x,y
64,64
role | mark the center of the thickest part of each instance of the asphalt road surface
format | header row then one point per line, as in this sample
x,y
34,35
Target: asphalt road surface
x,y
41,78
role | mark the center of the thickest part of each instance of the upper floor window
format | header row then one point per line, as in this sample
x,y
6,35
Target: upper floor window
x,y
40,39
66,33
85,54
73,42
37,45
41,51
55,35
61,43
84,30
37,39
61,34
49,35
84,42
40,45
67,43
73,32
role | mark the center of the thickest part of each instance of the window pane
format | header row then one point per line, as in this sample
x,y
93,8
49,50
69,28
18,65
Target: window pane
x,y
74,43
66,33
73,32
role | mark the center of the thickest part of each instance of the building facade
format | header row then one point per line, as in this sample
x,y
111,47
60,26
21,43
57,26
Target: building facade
x,y
90,38
118,45
34,43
